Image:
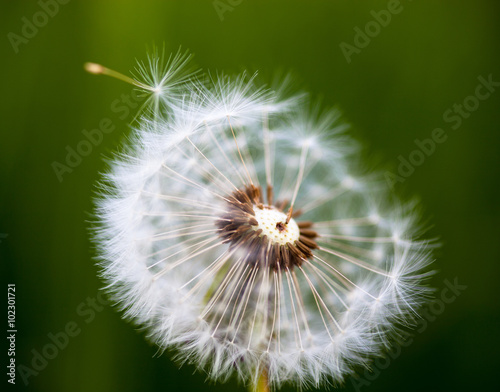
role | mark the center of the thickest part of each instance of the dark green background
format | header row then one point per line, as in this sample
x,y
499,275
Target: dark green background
x,y
396,90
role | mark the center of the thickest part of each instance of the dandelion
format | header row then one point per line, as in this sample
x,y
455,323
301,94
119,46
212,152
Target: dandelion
x,y
237,229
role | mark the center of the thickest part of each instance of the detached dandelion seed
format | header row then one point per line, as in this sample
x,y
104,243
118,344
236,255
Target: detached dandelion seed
x,y
235,229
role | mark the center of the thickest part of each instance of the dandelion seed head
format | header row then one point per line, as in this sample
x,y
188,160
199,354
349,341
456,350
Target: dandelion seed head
x,y
233,230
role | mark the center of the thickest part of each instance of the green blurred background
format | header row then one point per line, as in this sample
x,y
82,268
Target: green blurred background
x,y
395,90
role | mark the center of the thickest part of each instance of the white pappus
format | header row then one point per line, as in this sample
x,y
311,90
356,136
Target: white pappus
x,y
236,228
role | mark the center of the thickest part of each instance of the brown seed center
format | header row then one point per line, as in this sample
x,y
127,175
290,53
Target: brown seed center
x,y
239,228
280,226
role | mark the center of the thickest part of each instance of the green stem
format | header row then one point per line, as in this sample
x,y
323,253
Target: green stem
x,y
262,384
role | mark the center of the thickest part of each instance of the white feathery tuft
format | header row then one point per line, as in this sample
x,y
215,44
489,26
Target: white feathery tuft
x,y
183,258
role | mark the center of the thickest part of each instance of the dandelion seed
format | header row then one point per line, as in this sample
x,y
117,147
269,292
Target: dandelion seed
x,y
234,230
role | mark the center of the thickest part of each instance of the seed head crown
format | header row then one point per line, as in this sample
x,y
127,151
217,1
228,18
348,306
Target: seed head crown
x,y
300,283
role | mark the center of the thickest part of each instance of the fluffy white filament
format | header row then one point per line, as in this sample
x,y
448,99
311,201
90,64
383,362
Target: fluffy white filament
x,y
168,268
